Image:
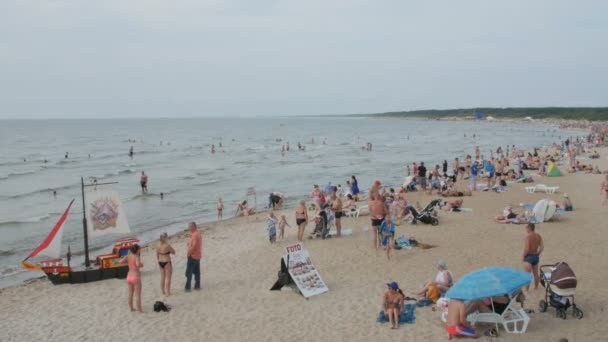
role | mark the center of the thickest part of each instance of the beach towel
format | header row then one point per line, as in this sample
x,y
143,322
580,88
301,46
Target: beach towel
x,y
464,210
407,316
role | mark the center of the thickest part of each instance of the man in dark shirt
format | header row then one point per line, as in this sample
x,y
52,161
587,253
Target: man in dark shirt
x,y
422,175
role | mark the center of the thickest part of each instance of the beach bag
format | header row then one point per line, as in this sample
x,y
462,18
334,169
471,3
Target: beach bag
x,y
563,276
160,306
433,293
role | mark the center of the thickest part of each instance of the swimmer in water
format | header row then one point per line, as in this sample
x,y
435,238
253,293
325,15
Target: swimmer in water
x,y
131,151
162,195
66,155
212,149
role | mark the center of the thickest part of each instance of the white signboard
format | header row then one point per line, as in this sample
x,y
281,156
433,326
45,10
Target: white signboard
x,y
303,272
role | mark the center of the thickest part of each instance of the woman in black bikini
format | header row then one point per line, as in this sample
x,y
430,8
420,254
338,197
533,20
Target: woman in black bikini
x,y
301,219
163,254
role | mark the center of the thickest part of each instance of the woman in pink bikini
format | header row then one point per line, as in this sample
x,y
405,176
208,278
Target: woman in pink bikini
x,y
134,277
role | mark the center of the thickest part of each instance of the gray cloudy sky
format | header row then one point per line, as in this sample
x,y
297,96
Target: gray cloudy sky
x,y
144,58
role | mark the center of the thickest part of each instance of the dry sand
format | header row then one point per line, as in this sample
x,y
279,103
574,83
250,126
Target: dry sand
x,y
239,267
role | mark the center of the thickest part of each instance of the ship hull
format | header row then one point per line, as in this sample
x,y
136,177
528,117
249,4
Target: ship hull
x,y
87,275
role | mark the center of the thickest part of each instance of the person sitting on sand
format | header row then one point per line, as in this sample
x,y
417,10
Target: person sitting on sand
x,y
443,281
163,254
451,206
350,204
595,155
244,210
392,304
456,324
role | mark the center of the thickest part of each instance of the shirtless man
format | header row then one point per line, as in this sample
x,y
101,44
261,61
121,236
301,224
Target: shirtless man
x,y
500,170
467,165
336,207
143,181
377,211
532,249
456,324
604,190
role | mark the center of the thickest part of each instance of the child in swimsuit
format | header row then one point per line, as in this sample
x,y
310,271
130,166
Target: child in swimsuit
x,y
282,224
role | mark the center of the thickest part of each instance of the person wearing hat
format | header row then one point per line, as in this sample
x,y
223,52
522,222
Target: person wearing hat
x,y
392,304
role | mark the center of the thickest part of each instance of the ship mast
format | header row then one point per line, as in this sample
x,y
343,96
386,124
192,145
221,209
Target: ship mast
x,y
87,262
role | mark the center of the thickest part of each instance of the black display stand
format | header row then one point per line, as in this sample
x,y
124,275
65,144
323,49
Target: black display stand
x,y
284,278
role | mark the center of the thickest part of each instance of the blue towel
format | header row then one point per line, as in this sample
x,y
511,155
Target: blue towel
x,y
407,316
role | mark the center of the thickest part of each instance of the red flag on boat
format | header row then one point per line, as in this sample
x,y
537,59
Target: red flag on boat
x,y
51,246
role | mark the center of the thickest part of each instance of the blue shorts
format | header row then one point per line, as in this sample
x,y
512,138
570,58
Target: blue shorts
x,y
532,259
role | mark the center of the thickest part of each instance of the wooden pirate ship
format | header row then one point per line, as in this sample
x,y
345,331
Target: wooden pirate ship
x,y
105,216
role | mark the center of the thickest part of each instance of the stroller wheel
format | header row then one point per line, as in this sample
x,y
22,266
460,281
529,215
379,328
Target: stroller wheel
x,y
578,313
561,313
542,306
434,222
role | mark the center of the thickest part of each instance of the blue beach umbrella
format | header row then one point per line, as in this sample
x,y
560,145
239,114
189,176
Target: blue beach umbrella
x,y
489,282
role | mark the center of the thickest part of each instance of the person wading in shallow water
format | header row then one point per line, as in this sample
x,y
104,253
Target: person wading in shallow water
x,y
143,181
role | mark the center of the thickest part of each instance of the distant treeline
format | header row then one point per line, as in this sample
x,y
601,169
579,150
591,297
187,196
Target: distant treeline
x,y
572,113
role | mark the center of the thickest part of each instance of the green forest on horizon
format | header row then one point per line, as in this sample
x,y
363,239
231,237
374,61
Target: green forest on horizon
x,y
570,113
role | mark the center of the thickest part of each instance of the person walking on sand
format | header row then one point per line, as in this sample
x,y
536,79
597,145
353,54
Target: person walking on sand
x,y
336,208
163,254
301,219
531,256
220,208
143,181
604,190
377,211
195,252
133,260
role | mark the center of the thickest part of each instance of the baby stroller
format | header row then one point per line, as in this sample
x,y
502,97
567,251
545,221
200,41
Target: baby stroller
x,y
322,226
426,215
560,283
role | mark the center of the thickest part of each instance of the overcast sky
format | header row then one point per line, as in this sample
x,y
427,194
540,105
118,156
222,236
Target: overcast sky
x,y
170,58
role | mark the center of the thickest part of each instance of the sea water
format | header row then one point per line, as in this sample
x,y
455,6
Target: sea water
x,y
176,156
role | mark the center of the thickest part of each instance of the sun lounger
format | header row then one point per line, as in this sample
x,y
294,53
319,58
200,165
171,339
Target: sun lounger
x,y
512,319
542,187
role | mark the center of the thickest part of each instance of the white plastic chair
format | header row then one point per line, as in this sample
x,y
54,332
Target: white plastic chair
x,y
353,213
541,187
530,189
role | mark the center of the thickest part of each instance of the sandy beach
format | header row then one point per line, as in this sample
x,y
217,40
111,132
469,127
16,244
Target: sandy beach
x,y
239,266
